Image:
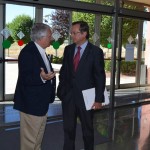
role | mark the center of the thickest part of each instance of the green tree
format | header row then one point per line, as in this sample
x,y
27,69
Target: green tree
x,y
60,23
130,26
21,23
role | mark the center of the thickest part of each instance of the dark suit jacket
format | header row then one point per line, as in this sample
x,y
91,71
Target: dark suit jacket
x,y
32,96
90,73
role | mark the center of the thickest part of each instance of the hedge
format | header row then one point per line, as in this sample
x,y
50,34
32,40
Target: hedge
x,y
127,68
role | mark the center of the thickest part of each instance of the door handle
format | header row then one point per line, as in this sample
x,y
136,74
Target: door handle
x,y
1,60
7,60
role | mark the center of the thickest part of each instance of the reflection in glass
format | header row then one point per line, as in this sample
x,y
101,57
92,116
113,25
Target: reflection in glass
x,y
147,49
102,2
140,6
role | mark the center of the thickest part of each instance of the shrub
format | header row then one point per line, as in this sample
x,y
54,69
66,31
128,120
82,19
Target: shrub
x,y
127,68
57,60
107,65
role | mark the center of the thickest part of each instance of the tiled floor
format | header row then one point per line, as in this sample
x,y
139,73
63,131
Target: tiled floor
x,y
129,127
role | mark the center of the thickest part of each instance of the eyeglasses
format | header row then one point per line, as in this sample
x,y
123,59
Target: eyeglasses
x,y
74,33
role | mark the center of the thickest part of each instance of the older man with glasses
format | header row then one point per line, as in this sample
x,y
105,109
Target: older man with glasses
x,y
35,87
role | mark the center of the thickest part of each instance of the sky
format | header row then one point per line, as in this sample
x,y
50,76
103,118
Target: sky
x,y
14,10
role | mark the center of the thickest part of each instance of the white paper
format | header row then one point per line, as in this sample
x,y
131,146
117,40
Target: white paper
x,y
89,97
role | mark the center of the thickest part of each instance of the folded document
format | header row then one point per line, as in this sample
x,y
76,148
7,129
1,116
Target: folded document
x,y
89,97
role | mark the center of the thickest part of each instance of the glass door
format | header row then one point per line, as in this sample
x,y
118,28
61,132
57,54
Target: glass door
x,y
129,52
132,63
19,20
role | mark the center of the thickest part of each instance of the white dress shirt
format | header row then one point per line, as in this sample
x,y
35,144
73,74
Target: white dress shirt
x,y
45,59
43,54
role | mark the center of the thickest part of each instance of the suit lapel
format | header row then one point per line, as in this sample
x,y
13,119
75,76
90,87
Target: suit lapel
x,y
72,56
41,61
50,63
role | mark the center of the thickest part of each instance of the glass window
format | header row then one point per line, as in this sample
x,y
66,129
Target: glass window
x,y
100,33
19,20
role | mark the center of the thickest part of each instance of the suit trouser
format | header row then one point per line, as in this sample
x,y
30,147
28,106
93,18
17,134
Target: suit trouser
x,y
31,131
70,113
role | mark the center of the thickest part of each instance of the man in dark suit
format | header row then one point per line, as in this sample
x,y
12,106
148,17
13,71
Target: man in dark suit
x,y
35,87
82,68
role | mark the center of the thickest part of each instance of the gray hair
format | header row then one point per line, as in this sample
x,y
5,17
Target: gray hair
x,y
38,31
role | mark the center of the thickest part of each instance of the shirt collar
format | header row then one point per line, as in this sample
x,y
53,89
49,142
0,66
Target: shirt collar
x,y
41,50
83,46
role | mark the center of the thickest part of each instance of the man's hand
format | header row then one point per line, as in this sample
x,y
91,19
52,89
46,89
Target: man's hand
x,y
47,76
97,105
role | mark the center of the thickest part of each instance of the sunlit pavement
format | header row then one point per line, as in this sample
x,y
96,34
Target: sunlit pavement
x,y
11,74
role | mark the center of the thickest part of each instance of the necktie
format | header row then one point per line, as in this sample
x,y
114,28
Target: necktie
x,y
46,61
76,59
